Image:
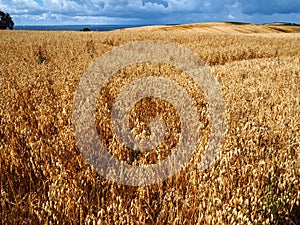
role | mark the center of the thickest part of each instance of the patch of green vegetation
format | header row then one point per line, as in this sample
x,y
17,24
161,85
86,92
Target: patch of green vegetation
x,y
42,59
274,204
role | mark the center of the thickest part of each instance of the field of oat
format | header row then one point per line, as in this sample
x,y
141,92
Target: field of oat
x,y
45,180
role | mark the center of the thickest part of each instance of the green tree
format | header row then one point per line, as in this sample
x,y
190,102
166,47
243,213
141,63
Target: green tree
x,y
6,21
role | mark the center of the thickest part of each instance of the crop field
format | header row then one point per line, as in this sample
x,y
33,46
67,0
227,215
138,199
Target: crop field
x,y
44,178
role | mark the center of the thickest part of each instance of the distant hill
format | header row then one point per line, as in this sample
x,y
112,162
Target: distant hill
x,y
226,28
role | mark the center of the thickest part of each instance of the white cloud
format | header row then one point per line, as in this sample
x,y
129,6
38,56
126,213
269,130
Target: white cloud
x,y
62,6
231,17
25,3
148,11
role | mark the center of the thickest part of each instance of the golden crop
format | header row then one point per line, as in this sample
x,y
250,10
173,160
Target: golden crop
x,y
45,180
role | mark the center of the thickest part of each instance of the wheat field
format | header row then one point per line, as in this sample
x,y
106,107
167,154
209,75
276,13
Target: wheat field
x,y
45,180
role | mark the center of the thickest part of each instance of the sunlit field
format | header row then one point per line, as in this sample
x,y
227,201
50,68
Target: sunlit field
x,y
256,180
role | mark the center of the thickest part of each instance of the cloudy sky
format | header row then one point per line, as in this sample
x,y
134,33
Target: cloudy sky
x,y
50,12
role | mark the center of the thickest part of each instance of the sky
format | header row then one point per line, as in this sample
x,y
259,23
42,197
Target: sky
x,y
88,12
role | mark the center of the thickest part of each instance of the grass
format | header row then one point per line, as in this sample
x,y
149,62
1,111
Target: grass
x,y
44,179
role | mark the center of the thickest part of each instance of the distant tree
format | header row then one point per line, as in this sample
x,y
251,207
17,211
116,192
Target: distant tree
x,y
6,21
86,29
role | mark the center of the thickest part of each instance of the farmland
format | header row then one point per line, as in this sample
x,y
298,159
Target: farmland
x,y
45,180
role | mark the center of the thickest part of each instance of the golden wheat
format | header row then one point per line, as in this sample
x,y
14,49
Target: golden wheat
x,y
44,179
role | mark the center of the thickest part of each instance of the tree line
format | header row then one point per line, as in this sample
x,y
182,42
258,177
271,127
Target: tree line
x,y
6,21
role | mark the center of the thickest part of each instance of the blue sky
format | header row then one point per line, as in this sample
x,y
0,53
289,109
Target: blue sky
x,y
54,12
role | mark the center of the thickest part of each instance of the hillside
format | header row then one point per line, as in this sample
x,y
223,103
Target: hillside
x,y
225,28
